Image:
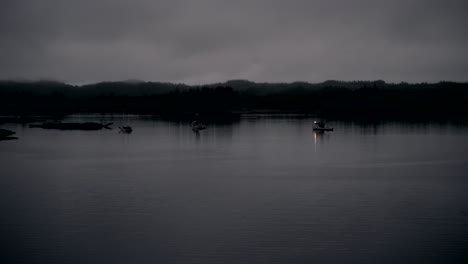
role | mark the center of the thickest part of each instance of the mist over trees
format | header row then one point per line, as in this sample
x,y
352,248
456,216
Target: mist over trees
x,y
334,98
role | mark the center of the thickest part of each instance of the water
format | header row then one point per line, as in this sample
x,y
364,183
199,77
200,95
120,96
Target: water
x,y
260,190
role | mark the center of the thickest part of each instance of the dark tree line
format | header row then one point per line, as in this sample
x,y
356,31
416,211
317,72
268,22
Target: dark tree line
x,y
329,98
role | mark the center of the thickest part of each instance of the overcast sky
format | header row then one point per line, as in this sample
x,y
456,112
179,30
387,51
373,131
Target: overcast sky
x,y
204,41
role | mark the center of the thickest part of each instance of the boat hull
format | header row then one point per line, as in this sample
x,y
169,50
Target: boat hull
x,y
323,129
197,128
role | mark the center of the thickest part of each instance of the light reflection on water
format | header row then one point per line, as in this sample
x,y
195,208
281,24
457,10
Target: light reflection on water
x,y
258,190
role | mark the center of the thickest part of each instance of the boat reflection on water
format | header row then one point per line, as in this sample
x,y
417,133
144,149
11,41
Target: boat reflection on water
x,y
320,137
197,135
317,134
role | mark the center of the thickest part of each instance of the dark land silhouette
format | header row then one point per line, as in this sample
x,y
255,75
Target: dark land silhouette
x,y
6,134
358,99
72,126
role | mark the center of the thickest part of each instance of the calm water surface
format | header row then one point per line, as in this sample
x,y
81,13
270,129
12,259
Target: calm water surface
x,y
260,190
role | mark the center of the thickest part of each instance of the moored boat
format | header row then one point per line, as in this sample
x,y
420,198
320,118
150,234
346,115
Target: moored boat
x,y
197,126
320,126
125,129
323,128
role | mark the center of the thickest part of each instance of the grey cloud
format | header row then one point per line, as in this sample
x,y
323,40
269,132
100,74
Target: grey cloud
x,y
208,41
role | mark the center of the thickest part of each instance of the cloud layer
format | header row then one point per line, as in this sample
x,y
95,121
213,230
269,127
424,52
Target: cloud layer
x,y
211,40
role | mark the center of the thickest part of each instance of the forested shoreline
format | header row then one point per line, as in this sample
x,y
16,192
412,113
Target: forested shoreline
x,y
332,98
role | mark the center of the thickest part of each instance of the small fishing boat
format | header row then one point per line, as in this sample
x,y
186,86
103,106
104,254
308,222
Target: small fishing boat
x,y
196,126
320,126
126,129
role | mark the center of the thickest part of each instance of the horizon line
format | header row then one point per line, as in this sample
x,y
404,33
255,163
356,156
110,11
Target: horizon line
x,y
137,81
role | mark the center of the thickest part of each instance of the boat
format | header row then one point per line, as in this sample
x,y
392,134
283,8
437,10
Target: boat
x,y
72,126
196,126
320,126
323,128
126,129
6,133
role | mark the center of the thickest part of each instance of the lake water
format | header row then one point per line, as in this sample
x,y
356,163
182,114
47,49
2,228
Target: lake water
x,y
258,190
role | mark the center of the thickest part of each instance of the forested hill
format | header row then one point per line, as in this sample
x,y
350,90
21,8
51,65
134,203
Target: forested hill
x,y
140,88
330,97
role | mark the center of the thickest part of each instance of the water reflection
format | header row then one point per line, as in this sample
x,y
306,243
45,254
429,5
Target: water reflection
x,y
197,135
321,136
